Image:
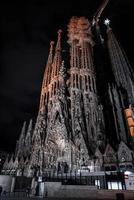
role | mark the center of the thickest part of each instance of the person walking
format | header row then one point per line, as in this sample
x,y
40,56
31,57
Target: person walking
x,y
1,190
28,191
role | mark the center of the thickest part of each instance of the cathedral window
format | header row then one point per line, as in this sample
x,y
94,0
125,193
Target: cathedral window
x,y
89,82
56,70
86,83
93,84
84,61
47,96
87,57
54,88
73,80
44,98
77,81
79,147
58,85
86,95
80,82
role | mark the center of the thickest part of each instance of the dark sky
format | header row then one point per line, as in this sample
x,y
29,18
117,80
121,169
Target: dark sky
x,y
26,30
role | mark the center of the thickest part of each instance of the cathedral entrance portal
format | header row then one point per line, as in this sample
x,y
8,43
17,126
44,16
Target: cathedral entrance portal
x,y
58,156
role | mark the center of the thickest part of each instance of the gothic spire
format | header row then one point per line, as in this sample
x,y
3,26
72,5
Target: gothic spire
x,y
58,45
28,139
46,78
21,141
47,74
50,57
121,68
57,57
5,165
22,135
11,161
29,130
23,130
37,145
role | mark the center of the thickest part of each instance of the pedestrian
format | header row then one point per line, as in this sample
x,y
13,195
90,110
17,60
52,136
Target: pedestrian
x,y
46,193
37,190
28,191
1,190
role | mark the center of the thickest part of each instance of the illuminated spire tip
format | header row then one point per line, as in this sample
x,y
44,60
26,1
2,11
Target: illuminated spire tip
x,y
107,22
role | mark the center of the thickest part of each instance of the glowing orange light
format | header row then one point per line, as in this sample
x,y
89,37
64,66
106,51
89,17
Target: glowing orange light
x,y
130,120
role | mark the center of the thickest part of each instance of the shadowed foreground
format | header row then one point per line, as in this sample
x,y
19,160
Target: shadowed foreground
x,y
96,195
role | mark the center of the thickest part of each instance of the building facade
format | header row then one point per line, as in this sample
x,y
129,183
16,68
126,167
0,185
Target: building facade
x,y
70,132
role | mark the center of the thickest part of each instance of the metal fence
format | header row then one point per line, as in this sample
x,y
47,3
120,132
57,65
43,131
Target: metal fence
x,y
102,181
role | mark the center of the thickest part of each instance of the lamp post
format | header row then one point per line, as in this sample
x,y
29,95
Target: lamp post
x,y
39,180
40,183
94,159
122,174
103,164
117,163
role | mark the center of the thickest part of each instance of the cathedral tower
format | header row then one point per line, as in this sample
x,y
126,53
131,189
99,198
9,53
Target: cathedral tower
x,y
83,94
70,125
122,93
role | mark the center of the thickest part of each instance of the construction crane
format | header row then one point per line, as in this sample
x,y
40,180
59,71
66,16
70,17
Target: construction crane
x,y
96,18
99,11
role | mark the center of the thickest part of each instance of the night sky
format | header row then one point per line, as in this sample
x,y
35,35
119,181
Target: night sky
x,y
26,30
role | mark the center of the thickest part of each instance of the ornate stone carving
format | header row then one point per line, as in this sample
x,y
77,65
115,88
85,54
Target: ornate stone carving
x,y
110,155
124,153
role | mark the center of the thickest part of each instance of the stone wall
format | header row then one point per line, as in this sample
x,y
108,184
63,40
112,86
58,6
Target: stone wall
x,y
56,189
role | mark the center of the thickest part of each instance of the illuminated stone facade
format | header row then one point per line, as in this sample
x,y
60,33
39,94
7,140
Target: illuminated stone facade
x,y
69,114
70,131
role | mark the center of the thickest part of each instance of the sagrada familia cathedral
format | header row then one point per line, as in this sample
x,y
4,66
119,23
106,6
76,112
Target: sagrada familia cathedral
x,y
74,128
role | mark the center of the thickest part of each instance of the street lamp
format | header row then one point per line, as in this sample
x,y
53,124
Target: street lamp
x,y
94,159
